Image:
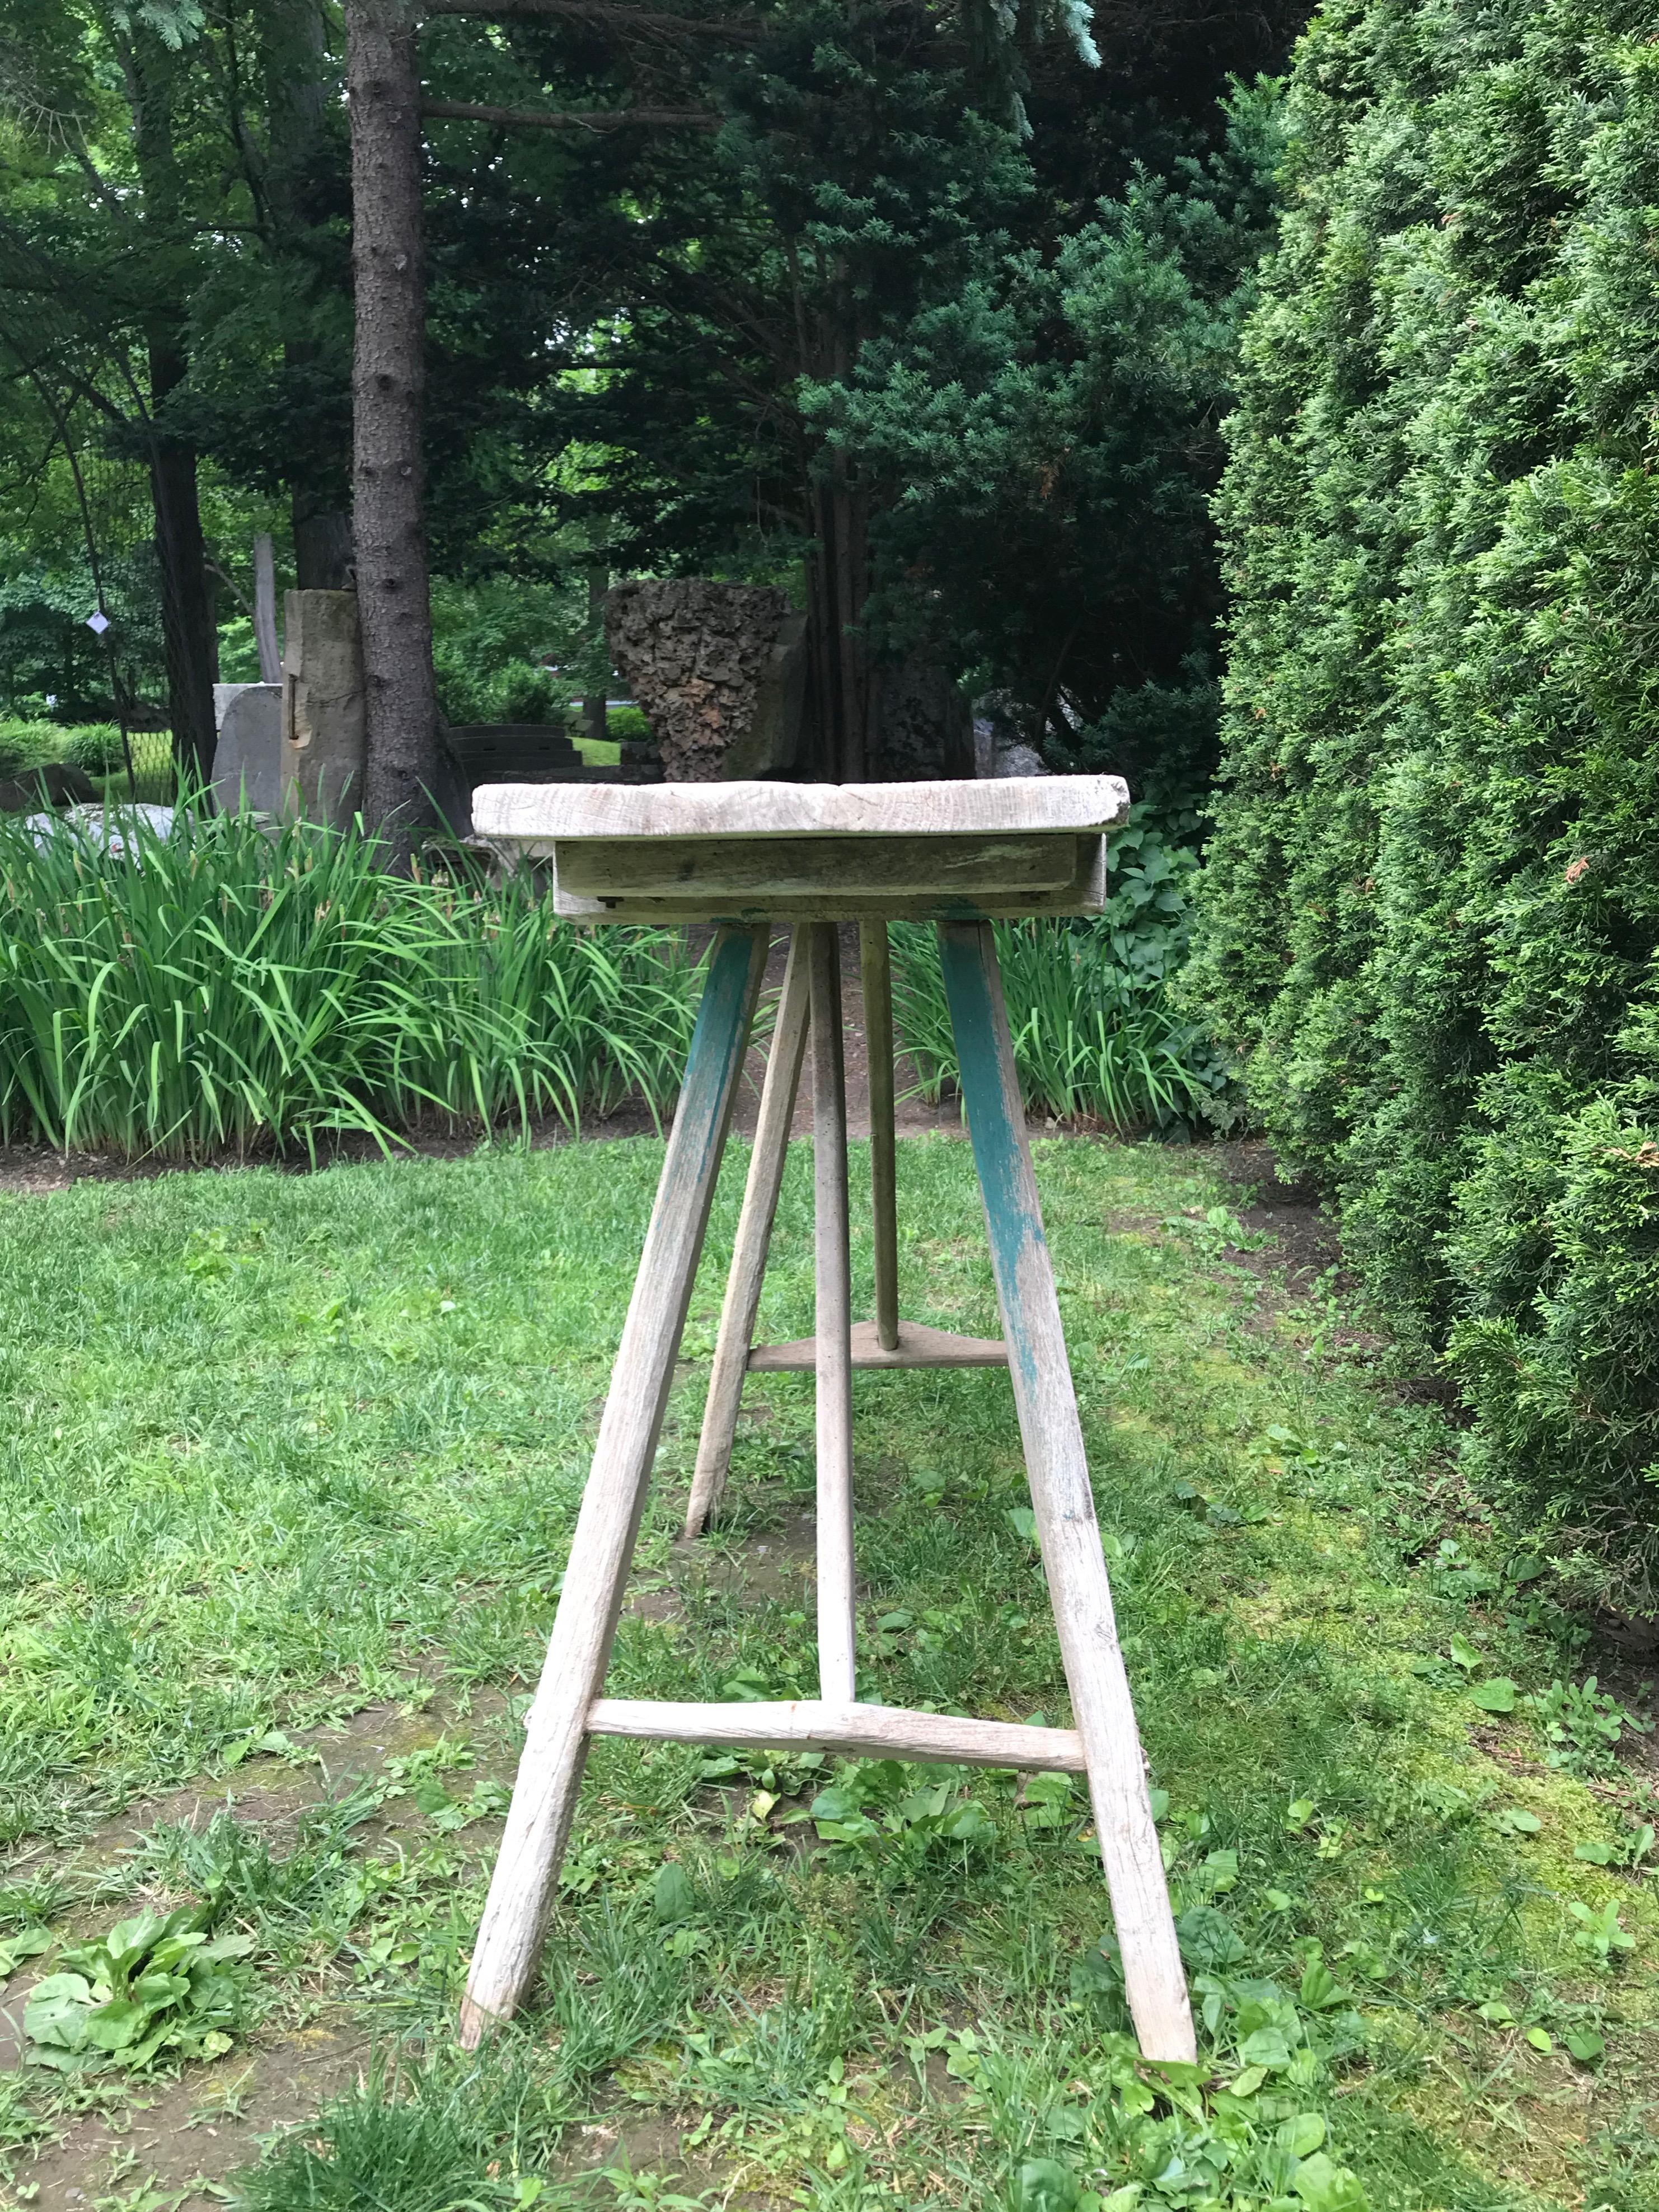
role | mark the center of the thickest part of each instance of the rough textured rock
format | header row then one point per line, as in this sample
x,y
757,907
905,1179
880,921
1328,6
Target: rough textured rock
x,y
927,725
999,743
57,785
719,670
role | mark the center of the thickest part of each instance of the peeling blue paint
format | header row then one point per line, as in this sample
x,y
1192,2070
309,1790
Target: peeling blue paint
x,y
720,1038
1015,1228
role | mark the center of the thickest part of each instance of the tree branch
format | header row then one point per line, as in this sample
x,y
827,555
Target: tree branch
x,y
570,119
606,12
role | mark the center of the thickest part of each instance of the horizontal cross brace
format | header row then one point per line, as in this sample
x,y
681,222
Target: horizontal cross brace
x,y
918,1347
865,1731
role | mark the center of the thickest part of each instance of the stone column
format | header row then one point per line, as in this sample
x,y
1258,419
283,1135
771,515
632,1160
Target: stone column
x,y
323,708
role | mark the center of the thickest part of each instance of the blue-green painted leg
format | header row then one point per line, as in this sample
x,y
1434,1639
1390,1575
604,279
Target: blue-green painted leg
x,y
596,1574
1101,1707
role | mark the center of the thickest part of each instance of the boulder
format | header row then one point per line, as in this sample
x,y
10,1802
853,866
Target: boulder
x,y
56,785
111,830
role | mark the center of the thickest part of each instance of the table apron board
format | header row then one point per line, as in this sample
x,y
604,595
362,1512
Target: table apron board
x,y
768,867
742,885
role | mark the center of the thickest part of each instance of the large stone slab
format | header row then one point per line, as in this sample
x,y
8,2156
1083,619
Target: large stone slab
x,y
324,708
248,761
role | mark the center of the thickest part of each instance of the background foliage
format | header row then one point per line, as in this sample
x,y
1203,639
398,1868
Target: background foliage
x,y
657,349
1097,1037
1433,902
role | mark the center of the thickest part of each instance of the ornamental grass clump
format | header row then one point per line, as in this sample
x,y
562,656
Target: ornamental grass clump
x,y
1096,1037
212,987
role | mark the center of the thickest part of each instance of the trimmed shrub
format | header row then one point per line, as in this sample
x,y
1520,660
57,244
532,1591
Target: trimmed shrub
x,y
1431,911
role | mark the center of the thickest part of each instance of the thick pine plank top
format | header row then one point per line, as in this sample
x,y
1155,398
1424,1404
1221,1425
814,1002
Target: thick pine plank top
x,y
543,812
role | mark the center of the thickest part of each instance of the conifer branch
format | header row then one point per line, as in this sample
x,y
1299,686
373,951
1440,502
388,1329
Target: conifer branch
x,y
606,12
570,119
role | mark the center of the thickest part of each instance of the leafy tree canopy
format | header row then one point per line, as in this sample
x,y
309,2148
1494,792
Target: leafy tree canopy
x,y
714,348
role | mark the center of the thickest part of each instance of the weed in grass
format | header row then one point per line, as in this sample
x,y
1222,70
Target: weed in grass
x,y
154,1985
1582,1726
418,2139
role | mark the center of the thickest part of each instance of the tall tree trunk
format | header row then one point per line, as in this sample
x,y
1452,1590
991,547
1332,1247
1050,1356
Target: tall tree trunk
x,y
388,387
190,629
846,687
295,56
595,712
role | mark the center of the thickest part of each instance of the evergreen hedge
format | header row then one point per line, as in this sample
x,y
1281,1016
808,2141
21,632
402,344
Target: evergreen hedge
x,y
1432,904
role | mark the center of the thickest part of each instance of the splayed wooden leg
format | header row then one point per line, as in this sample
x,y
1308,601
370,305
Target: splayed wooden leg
x,y
760,1206
1101,1707
555,1738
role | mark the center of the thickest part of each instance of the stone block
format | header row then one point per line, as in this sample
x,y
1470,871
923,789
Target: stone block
x,y
926,723
324,708
719,670
248,761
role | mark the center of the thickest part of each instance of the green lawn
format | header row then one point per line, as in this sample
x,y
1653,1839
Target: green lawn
x,y
282,1447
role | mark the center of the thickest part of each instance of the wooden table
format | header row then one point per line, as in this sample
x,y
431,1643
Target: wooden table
x,y
747,856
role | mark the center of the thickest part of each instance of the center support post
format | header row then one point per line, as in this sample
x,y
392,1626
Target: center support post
x,y
833,1366
876,977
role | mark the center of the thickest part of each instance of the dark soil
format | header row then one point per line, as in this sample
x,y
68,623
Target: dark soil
x,y
1306,1244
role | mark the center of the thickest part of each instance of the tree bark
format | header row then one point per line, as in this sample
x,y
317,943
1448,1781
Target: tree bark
x,y
295,53
190,632
595,712
388,383
845,686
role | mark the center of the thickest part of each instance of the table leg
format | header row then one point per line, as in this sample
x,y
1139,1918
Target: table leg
x,y
876,974
834,1355
1064,1502
760,1206
556,1740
